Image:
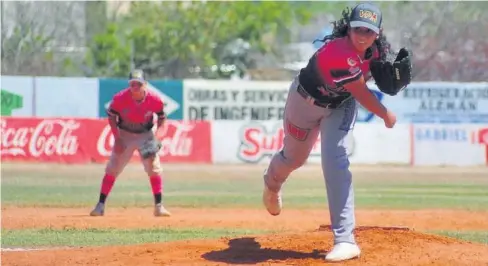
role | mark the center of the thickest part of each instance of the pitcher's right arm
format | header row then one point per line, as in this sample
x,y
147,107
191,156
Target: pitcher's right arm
x,y
366,98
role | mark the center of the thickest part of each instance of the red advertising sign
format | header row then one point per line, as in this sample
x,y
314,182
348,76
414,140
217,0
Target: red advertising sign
x,y
483,136
90,140
483,139
257,142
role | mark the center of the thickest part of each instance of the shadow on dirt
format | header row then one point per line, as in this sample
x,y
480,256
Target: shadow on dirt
x,y
247,251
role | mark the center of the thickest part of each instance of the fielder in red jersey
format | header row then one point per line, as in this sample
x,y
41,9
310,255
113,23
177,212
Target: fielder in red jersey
x,y
135,116
131,118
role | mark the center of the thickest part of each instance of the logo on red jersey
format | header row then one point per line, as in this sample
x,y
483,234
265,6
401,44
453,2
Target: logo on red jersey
x,y
351,62
354,70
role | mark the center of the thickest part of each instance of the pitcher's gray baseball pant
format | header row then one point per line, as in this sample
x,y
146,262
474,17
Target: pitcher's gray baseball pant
x,y
302,124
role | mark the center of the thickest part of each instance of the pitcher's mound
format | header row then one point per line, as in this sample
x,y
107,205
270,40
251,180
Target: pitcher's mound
x,y
380,246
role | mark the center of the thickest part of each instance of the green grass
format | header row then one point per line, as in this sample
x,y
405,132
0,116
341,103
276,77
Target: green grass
x,y
63,186
32,238
480,237
78,186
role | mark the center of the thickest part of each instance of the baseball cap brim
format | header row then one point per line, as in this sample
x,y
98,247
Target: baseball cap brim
x,y
355,24
138,80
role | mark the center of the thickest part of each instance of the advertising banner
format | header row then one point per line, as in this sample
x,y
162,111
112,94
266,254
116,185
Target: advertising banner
x,y
458,144
181,142
66,97
170,91
71,140
420,102
17,95
49,140
234,100
256,141
437,102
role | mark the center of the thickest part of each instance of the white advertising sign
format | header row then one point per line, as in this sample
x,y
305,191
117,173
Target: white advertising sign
x,y
17,95
455,144
436,102
256,141
66,97
234,100
374,143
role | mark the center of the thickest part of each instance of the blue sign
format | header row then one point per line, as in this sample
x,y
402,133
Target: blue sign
x,y
441,102
434,102
170,91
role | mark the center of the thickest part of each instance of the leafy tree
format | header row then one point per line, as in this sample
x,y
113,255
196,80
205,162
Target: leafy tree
x,y
448,39
181,39
108,54
38,37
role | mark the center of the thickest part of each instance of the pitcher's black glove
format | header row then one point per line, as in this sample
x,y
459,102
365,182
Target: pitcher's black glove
x,y
149,148
393,74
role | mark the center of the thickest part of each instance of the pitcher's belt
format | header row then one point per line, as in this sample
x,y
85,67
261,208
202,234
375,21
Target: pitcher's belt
x,y
312,100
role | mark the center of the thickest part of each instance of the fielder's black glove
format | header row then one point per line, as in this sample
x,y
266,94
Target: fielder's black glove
x,y
150,148
393,74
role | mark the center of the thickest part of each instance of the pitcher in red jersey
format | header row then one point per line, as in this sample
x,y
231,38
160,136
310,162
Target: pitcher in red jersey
x,y
322,98
131,118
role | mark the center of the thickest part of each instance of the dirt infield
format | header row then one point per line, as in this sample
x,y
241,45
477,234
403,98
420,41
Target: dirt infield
x,y
290,220
379,247
301,241
301,237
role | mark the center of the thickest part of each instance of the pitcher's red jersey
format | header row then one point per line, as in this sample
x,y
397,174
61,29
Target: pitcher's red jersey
x,y
339,63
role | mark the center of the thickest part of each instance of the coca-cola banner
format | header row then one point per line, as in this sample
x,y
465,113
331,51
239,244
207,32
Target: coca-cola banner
x,y
65,140
33,139
256,141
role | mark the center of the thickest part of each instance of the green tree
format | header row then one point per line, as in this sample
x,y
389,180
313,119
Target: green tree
x,y
192,39
108,54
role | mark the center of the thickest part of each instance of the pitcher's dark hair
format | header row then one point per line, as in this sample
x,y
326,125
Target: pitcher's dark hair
x,y
341,27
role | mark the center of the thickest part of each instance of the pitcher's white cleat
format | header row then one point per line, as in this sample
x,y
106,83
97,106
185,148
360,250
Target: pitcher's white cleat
x,y
343,251
159,211
272,201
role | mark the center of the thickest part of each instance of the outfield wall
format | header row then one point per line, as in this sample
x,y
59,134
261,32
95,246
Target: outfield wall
x,y
55,119
80,140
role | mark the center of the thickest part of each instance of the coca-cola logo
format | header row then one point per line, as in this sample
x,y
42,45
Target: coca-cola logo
x,y
175,140
49,137
105,142
174,136
258,143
